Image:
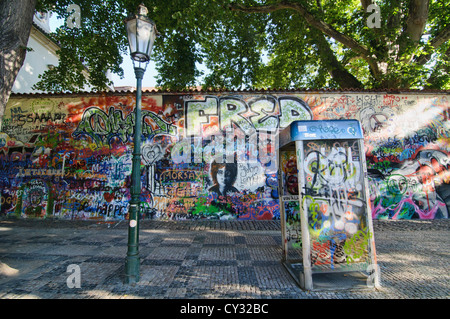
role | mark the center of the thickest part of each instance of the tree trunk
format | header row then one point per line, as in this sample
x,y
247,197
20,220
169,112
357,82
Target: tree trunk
x,y
16,18
337,71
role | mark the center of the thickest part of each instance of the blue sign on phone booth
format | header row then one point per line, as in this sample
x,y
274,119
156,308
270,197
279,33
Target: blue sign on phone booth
x,y
325,210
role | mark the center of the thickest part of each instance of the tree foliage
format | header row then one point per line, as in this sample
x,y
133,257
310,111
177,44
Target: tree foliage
x,y
261,43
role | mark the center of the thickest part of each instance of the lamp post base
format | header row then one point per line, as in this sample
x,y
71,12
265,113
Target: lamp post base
x,y
133,261
132,269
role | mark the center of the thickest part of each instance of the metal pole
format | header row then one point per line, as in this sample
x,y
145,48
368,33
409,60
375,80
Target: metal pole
x,y
133,261
306,244
372,250
282,209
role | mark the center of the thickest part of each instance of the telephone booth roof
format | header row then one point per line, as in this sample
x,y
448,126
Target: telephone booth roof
x,y
320,130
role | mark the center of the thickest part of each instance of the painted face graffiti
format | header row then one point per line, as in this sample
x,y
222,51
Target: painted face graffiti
x,y
224,176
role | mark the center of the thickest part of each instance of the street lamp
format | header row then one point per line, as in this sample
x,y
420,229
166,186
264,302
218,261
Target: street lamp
x,y
141,36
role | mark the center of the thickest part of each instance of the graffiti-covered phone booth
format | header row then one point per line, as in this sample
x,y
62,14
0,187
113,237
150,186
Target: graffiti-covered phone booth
x,y
326,219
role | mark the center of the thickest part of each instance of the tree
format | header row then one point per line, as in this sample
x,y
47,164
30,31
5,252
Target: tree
x,y
15,26
410,48
96,46
244,43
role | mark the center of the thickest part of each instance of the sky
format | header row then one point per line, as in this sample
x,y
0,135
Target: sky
x,y
129,78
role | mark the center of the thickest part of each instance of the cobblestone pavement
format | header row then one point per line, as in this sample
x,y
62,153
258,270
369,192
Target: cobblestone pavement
x,y
204,259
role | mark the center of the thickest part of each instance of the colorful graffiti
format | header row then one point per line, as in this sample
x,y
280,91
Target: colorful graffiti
x,y
213,155
289,180
334,198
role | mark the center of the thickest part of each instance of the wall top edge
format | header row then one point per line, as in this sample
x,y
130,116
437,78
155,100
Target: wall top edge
x,y
215,91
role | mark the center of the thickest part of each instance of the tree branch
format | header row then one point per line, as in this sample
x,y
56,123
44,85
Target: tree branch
x,y
417,18
442,37
339,73
365,4
313,21
415,24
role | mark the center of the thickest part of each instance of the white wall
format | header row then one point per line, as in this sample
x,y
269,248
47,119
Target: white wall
x,y
36,62
42,56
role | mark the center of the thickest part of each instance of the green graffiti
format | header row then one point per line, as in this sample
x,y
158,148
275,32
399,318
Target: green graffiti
x,y
313,210
102,127
356,246
214,209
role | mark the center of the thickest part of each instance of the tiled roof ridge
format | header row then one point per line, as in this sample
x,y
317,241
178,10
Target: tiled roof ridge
x,y
235,91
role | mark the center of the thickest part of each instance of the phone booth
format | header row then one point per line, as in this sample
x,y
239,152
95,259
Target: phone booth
x,y
326,219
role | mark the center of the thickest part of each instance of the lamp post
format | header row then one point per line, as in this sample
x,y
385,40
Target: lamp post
x,y
141,36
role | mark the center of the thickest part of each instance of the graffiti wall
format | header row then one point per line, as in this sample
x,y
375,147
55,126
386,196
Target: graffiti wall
x,y
210,155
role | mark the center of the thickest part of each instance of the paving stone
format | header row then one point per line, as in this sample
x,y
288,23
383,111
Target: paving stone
x,y
206,259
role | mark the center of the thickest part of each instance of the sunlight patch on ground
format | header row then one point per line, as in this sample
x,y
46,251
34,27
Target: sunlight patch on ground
x,y
7,271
